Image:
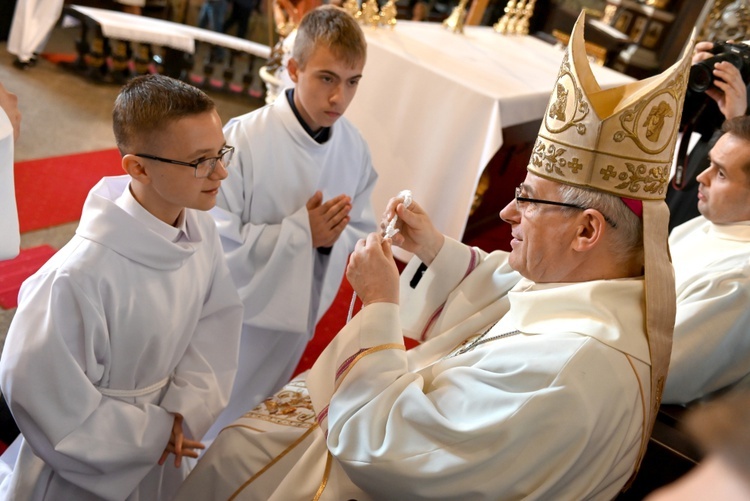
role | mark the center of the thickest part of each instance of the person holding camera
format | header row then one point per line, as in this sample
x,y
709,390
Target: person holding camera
x,y
712,98
711,257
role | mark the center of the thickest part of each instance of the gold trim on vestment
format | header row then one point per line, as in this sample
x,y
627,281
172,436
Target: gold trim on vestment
x,y
272,462
326,475
368,351
644,433
242,426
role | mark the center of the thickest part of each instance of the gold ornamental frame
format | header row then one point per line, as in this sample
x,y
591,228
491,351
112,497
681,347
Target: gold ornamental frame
x,y
714,13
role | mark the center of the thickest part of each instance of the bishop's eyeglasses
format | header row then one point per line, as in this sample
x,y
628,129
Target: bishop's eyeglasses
x,y
204,167
522,203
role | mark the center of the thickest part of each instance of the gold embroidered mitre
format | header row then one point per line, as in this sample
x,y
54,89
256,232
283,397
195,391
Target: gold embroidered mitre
x,y
619,140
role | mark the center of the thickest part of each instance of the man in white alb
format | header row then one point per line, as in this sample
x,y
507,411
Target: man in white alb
x,y
711,255
296,200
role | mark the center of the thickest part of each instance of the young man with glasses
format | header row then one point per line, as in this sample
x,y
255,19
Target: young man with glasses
x,y
540,370
124,346
296,200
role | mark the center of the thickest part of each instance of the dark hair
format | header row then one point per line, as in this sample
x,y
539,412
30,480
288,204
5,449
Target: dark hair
x,y
148,103
333,27
739,127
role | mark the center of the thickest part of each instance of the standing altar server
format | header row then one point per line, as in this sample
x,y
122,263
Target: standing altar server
x,y
296,201
124,346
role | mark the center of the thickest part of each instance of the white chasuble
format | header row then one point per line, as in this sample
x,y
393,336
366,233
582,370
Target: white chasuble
x,y
547,404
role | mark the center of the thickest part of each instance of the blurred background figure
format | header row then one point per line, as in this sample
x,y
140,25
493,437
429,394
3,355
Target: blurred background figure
x,y
212,15
10,128
721,429
32,22
239,16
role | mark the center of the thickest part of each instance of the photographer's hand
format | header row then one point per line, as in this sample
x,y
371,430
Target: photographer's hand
x,y
730,91
702,51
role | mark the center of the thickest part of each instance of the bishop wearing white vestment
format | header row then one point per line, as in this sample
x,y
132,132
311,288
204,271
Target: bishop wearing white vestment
x,y
540,371
546,405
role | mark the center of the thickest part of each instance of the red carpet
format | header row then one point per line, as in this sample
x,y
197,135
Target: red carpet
x,y
51,191
15,271
332,322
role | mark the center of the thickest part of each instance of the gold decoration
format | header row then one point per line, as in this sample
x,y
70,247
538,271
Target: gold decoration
x,y
289,407
388,14
655,120
557,109
632,129
507,24
501,26
728,20
515,20
522,23
455,22
352,7
369,14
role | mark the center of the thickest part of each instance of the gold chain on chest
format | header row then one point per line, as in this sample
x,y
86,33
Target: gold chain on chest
x,y
481,339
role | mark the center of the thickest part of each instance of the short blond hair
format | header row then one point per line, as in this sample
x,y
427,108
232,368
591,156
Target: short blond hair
x,y
331,27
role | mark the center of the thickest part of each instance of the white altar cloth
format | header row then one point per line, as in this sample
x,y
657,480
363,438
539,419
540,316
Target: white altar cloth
x,y
121,26
432,106
29,31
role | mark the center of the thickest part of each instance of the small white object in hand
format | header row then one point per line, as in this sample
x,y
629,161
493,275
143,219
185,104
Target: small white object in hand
x,y
391,230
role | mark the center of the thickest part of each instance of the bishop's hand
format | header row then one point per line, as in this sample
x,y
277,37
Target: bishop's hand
x,y
372,272
416,233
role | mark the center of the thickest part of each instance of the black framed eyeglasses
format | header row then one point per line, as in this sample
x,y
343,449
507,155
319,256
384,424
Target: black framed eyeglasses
x,y
521,202
203,168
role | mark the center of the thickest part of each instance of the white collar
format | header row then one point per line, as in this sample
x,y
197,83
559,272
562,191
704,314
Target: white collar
x,y
129,204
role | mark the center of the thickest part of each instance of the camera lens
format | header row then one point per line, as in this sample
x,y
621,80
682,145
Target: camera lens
x,y
701,78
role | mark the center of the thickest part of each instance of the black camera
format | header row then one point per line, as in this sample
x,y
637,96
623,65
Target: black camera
x,y
702,74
